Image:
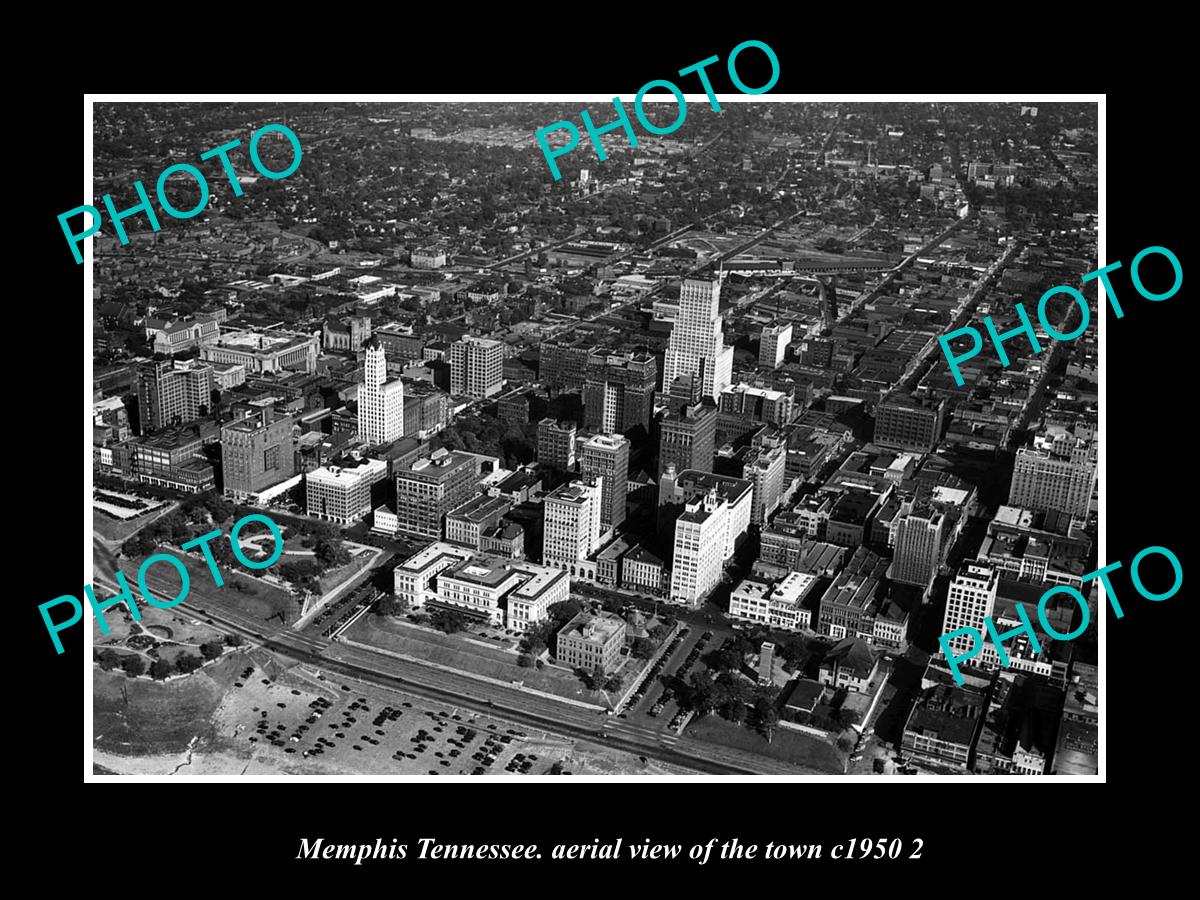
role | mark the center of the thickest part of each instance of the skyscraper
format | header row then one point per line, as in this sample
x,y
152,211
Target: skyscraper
x,y
572,522
170,394
476,367
1057,473
773,344
607,455
686,439
971,597
618,391
919,537
380,402
256,455
697,347
700,539
556,444
431,487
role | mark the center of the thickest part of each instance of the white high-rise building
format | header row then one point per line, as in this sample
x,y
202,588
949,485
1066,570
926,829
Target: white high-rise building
x,y
773,344
697,346
476,367
971,599
380,402
1058,472
701,532
572,522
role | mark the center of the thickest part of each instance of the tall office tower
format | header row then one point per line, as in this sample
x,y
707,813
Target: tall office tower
x,y
686,440
683,391
697,347
256,455
765,470
700,533
904,423
618,391
476,367
828,298
572,522
170,395
919,537
1057,473
563,364
380,402
556,444
431,487
773,344
607,455
970,599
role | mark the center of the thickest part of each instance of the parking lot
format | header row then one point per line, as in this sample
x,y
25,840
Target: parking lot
x,y
653,706
302,724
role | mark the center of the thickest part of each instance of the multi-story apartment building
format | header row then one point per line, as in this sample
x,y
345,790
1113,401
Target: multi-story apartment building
x,y
618,391
607,456
1057,473
430,487
590,641
380,400
556,444
171,393
476,367
904,423
343,494
697,346
256,454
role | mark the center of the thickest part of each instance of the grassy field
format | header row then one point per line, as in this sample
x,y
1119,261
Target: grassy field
x,y
134,717
790,746
457,653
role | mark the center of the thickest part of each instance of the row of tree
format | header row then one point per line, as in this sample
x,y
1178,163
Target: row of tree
x,y
133,665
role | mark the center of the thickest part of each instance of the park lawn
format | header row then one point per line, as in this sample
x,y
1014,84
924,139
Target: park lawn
x,y
455,652
241,592
795,747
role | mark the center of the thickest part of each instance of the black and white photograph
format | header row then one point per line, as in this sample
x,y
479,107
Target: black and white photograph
x,y
698,435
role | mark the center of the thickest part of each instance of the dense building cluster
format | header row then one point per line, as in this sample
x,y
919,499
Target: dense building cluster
x,y
707,374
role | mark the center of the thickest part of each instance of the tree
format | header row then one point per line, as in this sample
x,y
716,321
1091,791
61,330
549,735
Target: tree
x,y
234,640
161,668
448,621
389,605
108,659
768,717
564,610
525,661
210,649
643,648
133,665
613,682
188,663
